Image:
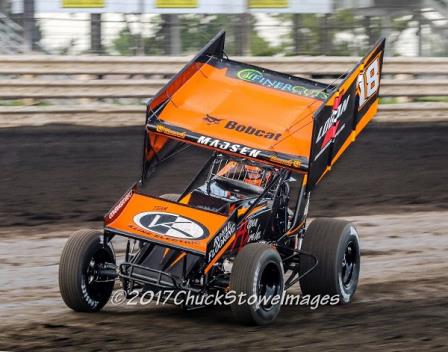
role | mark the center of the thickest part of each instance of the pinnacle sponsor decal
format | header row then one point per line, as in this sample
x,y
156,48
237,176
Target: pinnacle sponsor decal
x,y
331,128
287,162
170,132
172,225
120,205
221,239
288,86
234,148
233,125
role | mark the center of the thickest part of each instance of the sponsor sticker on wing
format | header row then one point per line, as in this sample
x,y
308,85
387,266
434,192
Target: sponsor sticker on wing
x,y
172,225
271,81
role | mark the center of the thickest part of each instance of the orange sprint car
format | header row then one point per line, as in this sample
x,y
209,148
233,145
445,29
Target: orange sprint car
x,y
230,219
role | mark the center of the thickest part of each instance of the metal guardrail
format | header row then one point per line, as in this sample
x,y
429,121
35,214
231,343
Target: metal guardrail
x,y
167,66
119,115
102,82
94,77
142,89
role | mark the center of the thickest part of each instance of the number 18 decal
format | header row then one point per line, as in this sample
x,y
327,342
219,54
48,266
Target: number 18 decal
x,y
369,81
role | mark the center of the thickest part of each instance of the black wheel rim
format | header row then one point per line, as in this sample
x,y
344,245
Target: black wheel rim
x,y
349,264
269,285
96,286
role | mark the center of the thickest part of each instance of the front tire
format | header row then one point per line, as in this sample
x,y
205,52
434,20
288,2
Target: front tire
x,y
82,257
257,272
335,244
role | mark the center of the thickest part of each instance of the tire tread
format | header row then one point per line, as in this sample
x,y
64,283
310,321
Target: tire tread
x,y
70,268
244,267
322,240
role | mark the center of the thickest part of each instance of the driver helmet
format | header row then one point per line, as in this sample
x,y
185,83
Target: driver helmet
x,y
253,175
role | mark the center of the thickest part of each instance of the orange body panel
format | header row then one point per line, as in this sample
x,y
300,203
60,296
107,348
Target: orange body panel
x,y
284,119
138,204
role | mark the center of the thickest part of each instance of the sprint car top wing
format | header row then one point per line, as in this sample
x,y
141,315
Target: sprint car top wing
x,y
260,114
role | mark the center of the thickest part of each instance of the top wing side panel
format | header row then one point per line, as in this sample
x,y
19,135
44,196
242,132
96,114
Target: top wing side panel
x,y
345,114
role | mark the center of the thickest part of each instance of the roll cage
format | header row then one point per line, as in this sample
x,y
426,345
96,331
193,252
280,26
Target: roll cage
x,y
251,196
201,274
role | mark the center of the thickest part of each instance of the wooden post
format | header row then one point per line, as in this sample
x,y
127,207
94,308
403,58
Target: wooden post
x,y
96,44
367,26
176,45
28,24
296,33
325,41
242,34
4,6
171,30
419,33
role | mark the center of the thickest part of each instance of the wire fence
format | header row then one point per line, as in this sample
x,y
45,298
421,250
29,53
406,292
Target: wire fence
x,y
338,34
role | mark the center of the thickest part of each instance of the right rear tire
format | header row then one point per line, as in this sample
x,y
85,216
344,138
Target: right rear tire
x,y
335,244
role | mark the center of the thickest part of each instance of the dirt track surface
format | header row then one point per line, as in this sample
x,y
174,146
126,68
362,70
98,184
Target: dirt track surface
x,y
60,174
392,183
401,304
